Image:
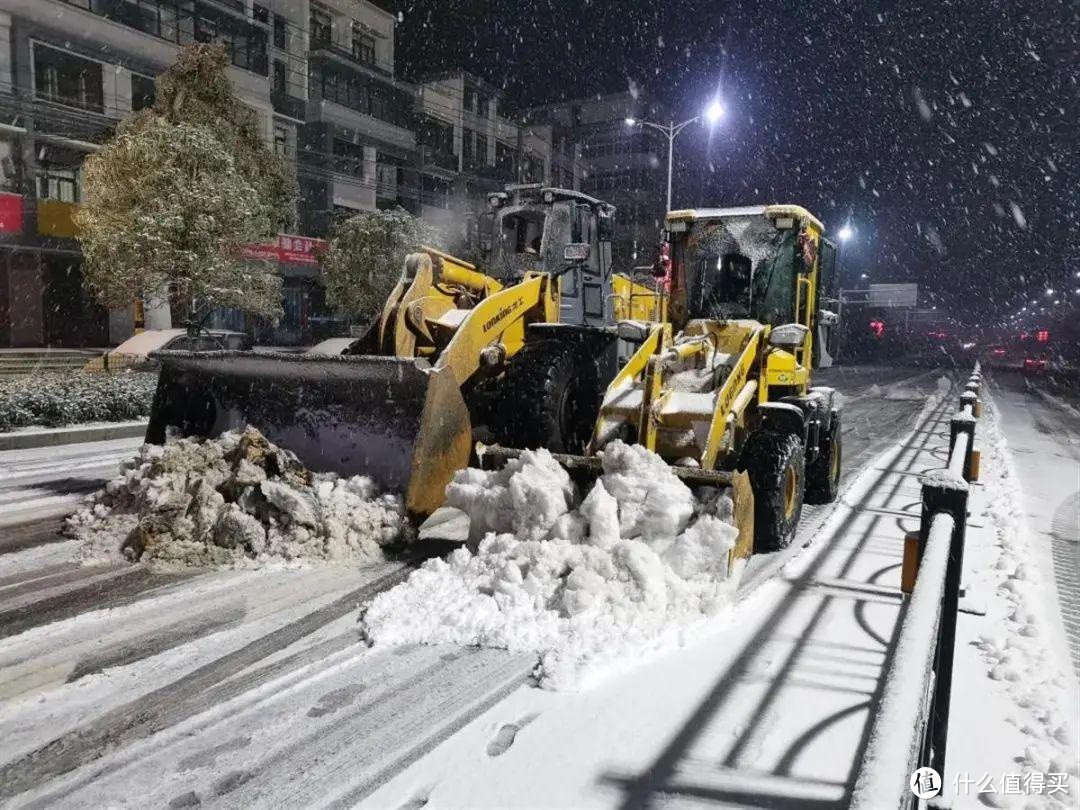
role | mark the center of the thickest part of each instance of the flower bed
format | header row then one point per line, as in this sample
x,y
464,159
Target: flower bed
x,y
58,398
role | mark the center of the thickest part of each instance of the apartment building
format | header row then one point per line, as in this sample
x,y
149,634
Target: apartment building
x,y
470,146
625,166
320,76
69,71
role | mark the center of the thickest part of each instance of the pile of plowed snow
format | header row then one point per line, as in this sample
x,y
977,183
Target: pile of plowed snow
x,y
584,583
231,500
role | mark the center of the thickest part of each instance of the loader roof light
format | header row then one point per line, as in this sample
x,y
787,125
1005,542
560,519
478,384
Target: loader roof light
x,y
784,223
549,197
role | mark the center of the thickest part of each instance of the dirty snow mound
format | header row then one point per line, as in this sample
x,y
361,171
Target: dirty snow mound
x,y
231,500
632,566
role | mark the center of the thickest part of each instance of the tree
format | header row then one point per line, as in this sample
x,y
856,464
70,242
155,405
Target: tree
x,y
171,199
166,207
196,90
365,258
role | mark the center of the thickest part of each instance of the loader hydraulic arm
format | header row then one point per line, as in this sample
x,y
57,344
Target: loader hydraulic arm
x,y
494,329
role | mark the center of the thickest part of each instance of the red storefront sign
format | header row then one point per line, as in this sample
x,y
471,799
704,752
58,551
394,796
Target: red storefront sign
x,y
288,249
11,213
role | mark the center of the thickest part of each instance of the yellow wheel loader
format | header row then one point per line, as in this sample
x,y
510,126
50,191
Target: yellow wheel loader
x,y
450,343
722,386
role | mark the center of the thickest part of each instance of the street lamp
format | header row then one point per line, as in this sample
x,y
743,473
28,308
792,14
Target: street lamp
x,y
845,233
713,113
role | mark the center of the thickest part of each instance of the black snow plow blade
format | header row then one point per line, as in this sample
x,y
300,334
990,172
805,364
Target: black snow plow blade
x,y
396,420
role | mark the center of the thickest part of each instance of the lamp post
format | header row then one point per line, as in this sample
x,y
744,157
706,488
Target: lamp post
x,y
713,114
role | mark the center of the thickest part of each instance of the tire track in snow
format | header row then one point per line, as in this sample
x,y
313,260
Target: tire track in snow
x,y
97,589
178,700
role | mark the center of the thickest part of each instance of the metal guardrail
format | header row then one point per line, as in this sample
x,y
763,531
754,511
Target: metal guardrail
x,y
910,729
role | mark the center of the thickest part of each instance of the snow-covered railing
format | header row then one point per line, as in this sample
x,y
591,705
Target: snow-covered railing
x,y
896,740
910,728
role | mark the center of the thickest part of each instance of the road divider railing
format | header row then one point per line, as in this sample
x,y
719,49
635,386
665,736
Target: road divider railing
x,y
910,728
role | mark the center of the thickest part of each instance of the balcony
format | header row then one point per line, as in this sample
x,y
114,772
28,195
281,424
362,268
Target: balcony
x,y
183,23
434,158
321,42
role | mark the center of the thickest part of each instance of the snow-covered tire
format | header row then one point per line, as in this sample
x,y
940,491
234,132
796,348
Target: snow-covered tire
x,y
775,463
823,473
548,398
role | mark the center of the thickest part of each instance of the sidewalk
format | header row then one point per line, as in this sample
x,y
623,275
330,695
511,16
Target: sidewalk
x,y
772,710
1014,722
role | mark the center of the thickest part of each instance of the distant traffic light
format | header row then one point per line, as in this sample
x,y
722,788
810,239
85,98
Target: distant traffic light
x,y
877,327
1042,336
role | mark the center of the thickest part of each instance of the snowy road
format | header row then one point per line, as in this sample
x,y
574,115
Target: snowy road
x,y
127,686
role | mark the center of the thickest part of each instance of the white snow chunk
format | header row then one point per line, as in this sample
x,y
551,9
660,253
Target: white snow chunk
x,y
234,500
637,565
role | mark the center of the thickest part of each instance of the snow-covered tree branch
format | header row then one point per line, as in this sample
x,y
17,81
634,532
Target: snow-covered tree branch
x,y
169,202
366,256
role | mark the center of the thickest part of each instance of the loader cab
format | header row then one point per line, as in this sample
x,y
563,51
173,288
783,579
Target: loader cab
x,y
557,231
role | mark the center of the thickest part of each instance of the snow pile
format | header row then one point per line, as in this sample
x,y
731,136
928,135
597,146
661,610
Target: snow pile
x,y
230,500
635,564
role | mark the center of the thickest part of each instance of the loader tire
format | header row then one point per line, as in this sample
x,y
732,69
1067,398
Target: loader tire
x,y
549,398
823,473
775,463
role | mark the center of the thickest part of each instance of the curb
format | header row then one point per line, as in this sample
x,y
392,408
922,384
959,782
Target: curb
x,y
26,439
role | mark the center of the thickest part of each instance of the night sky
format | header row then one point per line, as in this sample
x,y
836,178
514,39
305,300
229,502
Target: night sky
x,y
948,132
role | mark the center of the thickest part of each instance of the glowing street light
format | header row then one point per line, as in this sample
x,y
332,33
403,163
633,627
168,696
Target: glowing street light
x,y
845,233
713,113
1049,291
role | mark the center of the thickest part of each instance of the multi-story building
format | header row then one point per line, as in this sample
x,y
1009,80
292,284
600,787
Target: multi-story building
x,y
623,165
470,146
319,75
69,71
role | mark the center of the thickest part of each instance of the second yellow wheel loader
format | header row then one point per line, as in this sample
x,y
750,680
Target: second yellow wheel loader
x,y
724,382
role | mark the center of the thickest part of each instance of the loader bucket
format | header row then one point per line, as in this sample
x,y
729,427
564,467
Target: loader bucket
x,y
396,420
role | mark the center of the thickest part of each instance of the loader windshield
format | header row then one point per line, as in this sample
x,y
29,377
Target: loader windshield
x,y
518,244
739,267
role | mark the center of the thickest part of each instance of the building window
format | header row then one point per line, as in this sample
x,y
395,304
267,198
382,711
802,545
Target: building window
x,y
467,152
281,140
363,45
348,158
68,79
9,176
279,76
481,149
59,173
437,134
386,176
321,24
142,92
281,32
435,191
505,161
